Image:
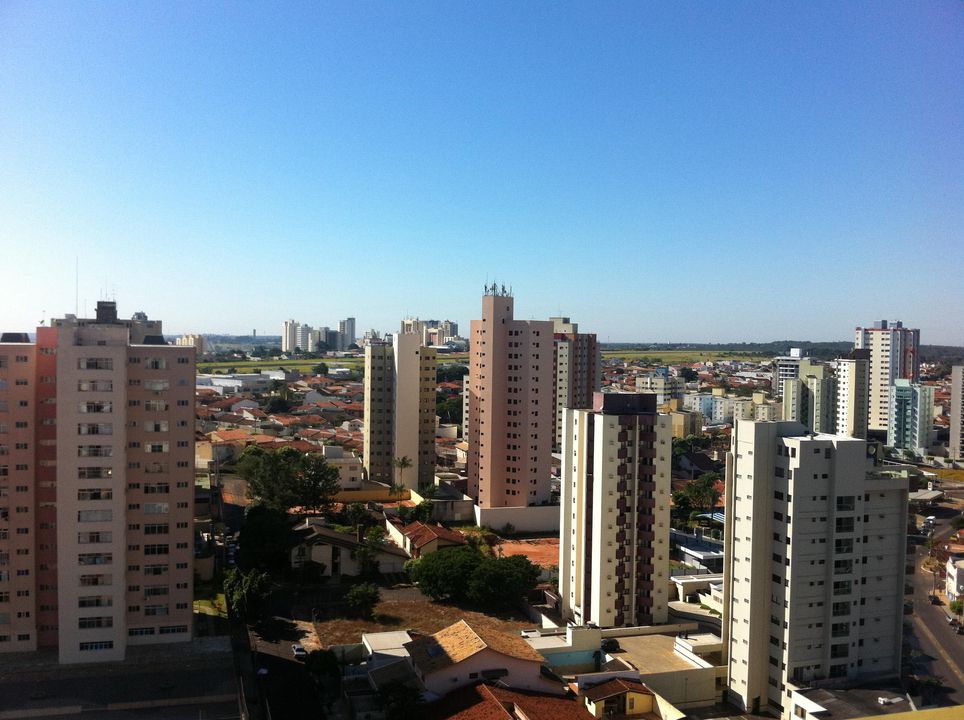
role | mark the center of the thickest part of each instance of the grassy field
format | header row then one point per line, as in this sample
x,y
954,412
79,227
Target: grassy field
x,y
674,357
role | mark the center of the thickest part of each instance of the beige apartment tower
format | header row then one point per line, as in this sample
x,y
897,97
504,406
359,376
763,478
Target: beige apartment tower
x,y
815,555
614,512
956,445
894,354
511,404
102,488
400,384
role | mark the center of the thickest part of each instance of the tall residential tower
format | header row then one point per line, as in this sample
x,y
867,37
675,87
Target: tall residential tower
x,y
511,403
894,354
400,411
96,487
614,512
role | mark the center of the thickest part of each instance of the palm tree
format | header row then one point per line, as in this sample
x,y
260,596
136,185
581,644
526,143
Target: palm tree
x,y
400,464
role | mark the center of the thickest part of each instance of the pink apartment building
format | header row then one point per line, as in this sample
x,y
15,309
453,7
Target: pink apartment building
x,y
96,487
511,399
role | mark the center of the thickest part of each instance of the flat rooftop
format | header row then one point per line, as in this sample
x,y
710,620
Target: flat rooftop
x,y
651,654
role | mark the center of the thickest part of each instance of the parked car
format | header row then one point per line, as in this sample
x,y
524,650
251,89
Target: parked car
x,y
298,651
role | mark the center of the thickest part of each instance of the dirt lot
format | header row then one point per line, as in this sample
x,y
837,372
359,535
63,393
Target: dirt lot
x,y
540,551
404,610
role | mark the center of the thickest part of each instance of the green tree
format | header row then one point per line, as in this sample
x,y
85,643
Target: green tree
x,y
316,483
247,593
450,372
286,479
703,492
362,599
401,464
957,522
356,514
445,574
323,664
265,536
503,582
449,409
277,404
689,374
320,369
956,606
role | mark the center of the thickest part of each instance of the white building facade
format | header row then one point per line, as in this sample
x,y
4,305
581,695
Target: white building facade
x,y
814,575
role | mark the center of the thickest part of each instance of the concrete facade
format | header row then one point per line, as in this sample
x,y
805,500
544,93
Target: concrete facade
x,y
911,415
112,475
956,444
400,385
853,394
814,577
577,372
511,402
894,354
614,512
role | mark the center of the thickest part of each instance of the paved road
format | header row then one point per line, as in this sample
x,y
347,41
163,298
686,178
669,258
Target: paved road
x,y
942,649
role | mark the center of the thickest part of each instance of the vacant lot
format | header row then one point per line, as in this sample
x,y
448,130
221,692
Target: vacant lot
x,y
674,357
411,611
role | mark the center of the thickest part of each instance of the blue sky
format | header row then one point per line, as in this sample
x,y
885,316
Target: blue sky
x,y
659,172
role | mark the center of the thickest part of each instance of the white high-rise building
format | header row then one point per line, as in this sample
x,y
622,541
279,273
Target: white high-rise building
x,y
347,328
400,411
852,375
815,561
614,512
911,415
956,445
785,367
289,336
894,354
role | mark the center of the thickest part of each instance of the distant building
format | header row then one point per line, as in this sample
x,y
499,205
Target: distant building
x,y
614,512
400,411
664,386
956,445
289,336
577,373
511,395
853,394
911,415
194,341
894,355
818,600
810,398
785,367
347,329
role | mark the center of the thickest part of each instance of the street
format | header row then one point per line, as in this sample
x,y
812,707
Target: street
x,y
940,648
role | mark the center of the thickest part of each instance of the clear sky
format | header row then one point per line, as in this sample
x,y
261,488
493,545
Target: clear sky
x,y
708,171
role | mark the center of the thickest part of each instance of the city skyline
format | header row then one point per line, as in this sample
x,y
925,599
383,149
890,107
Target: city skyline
x,y
793,164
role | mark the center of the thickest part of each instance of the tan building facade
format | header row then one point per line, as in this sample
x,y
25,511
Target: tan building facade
x,y
400,384
577,373
894,354
111,444
614,512
511,405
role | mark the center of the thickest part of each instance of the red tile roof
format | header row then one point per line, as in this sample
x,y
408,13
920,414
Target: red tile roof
x,y
420,534
614,687
482,702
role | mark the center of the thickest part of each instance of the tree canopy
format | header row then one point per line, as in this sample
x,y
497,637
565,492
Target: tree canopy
x,y
285,479
247,593
264,538
463,574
